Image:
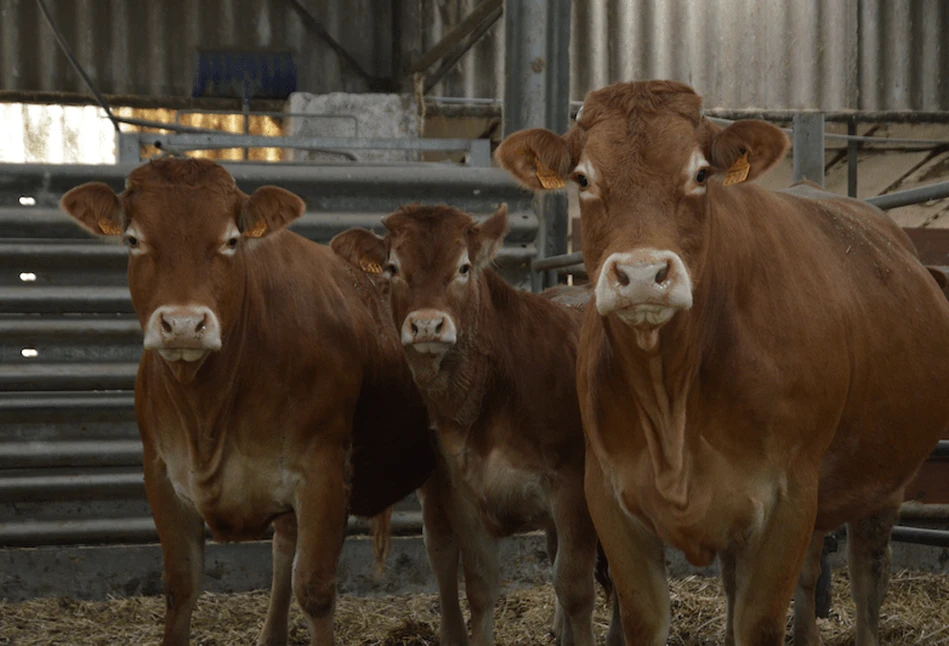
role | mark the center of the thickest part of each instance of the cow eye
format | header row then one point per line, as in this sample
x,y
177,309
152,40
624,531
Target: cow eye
x,y
232,243
131,241
582,180
464,269
701,176
391,269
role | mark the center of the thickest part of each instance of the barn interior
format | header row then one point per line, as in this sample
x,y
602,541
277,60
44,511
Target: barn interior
x,y
358,107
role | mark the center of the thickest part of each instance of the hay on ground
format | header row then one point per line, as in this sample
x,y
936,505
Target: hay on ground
x,y
916,611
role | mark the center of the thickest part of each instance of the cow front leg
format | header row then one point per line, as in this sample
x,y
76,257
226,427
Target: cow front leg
x,y
869,558
284,547
768,566
637,563
321,525
805,606
443,555
181,535
479,560
574,566
556,628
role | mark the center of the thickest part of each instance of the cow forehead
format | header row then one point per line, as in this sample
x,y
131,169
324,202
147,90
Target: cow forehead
x,y
195,209
645,151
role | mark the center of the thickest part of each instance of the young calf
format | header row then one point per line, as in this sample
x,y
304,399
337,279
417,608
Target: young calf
x,y
496,367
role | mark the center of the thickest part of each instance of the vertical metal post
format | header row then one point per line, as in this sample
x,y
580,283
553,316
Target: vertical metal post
x,y
852,159
127,150
537,95
808,141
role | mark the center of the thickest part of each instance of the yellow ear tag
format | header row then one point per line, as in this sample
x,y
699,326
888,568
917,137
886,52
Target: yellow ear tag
x,y
370,267
738,172
108,228
260,227
547,177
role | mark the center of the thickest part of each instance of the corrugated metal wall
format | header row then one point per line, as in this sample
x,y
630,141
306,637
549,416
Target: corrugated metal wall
x,y
147,47
830,54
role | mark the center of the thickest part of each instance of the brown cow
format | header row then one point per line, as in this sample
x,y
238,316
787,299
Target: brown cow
x,y
757,364
497,368
271,389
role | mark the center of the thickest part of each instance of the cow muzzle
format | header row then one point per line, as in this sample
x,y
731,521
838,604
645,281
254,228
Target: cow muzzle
x,y
429,331
644,289
183,333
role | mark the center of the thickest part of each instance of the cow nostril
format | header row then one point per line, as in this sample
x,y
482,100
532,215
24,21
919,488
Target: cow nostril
x,y
165,326
438,327
201,325
621,276
662,274
414,329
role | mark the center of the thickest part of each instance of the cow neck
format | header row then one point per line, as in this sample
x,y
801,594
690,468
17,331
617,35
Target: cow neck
x,y
661,381
209,401
454,395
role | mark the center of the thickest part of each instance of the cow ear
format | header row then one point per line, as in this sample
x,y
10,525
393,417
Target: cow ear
x,y
537,158
96,208
487,237
362,248
747,149
269,209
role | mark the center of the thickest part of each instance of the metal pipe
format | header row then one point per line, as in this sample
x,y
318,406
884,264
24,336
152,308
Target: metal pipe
x,y
921,536
70,454
911,196
941,450
62,300
554,262
25,376
76,486
222,140
142,530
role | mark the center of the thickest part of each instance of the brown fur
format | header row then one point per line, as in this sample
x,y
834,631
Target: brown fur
x,y
503,400
307,413
800,391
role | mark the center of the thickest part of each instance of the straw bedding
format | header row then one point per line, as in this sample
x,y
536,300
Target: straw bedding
x,y
916,611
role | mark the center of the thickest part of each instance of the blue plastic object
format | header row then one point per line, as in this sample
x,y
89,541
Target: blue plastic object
x,y
244,74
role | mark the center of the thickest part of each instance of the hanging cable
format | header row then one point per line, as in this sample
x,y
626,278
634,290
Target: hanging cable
x,y
72,59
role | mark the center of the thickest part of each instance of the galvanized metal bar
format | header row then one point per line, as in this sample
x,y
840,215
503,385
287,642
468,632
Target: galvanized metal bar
x,y
556,262
537,95
910,196
127,148
808,142
75,486
142,530
189,141
921,536
852,160
72,454
480,153
69,329
941,450
61,300
28,376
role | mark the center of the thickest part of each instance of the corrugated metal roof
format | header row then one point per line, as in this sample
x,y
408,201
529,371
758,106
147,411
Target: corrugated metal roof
x,y
768,54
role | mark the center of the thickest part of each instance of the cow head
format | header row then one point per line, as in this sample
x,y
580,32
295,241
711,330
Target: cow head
x,y
190,234
647,166
433,258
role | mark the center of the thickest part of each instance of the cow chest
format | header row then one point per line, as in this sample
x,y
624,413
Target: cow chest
x,y
237,495
507,495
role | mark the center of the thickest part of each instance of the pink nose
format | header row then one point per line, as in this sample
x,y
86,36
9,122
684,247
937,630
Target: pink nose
x,y
428,326
652,283
194,327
